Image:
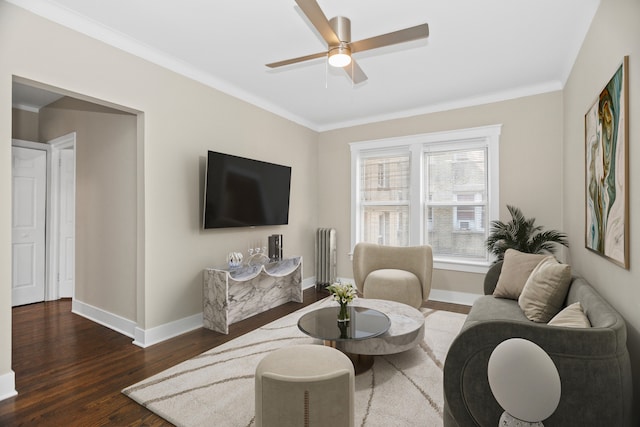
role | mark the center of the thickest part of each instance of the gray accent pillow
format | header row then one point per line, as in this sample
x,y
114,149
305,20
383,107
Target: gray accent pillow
x,y
545,290
516,269
572,316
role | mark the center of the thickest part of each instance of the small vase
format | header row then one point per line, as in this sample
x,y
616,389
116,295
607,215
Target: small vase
x,y
344,330
344,313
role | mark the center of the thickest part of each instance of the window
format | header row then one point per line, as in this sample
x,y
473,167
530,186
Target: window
x,y
384,200
456,182
440,189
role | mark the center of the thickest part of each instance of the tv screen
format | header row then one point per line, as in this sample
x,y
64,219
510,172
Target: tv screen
x,y
241,192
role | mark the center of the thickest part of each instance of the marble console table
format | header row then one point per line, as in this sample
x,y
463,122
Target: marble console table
x,y
233,295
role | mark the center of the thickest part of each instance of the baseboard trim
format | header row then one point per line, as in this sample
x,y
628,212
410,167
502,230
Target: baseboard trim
x,y
141,337
309,282
148,337
112,321
8,385
454,297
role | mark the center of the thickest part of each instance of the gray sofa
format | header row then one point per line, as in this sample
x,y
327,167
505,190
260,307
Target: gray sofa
x,y
593,364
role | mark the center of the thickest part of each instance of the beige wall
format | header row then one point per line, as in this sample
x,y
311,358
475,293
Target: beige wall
x,y
181,120
105,261
24,125
530,167
614,33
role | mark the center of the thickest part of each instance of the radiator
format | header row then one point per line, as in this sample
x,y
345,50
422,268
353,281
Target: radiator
x,y
325,257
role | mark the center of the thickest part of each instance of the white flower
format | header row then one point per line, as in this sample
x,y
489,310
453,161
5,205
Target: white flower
x,y
342,292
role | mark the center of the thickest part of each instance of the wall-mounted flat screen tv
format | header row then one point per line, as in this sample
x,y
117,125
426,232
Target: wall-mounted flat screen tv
x,y
241,192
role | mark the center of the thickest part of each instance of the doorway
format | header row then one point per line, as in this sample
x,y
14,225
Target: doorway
x,y
108,243
105,260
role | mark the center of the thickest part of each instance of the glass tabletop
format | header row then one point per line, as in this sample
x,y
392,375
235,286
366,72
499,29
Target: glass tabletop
x,y
323,324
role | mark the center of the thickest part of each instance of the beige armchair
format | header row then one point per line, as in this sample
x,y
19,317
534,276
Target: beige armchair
x,y
394,273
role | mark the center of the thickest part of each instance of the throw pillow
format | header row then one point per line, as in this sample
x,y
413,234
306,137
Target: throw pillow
x,y
545,290
571,316
516,268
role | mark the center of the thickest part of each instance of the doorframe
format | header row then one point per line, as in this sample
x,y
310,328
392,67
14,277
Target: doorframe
x,y
52,221
64,142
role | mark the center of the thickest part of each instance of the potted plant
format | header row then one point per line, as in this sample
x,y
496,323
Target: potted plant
x,y
523,235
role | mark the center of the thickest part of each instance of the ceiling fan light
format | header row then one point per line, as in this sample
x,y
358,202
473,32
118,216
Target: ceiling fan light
x,y
339,56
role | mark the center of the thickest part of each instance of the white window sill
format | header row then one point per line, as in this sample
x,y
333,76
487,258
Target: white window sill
x,y
467,266
453,265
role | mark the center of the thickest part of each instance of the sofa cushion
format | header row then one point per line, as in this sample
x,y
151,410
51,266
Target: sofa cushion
x,y
488,309
545,290
571,316
516,269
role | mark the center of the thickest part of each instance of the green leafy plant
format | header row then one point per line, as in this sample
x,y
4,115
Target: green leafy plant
x,y
523,235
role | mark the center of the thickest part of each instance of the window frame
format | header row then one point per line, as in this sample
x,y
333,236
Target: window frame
x,y
417,146
398,151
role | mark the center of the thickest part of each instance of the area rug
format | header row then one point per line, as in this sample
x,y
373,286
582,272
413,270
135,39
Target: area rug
x,y
216,388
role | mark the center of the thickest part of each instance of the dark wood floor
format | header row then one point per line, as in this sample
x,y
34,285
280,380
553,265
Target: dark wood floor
x,y
70,371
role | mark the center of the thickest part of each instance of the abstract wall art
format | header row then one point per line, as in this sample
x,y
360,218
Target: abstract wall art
x,y
607,176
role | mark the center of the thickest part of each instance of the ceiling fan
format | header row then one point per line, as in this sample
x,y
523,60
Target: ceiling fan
x,y
337,33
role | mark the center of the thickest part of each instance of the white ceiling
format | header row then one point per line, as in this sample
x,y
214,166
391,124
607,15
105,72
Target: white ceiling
x,y
478,51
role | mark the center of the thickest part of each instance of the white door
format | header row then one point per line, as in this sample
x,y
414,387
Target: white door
x,y
28,225
66,267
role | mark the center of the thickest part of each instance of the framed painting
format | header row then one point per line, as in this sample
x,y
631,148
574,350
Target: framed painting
x,y
607,175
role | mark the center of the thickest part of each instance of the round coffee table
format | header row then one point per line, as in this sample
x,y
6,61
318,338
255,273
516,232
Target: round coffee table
x,y
406,330
364,324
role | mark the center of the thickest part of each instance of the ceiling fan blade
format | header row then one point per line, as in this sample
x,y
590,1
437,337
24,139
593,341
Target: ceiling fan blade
x,y
312,10
355,72
296,60
400,36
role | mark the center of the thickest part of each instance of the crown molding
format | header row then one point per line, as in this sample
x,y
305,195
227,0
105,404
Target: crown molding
x,y
72,20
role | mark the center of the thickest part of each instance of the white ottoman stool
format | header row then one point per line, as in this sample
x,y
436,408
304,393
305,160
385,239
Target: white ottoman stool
x,y
305,385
